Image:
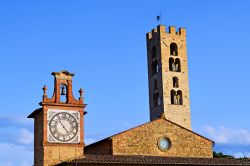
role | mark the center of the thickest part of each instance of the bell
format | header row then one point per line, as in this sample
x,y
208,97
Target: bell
x,y
63,92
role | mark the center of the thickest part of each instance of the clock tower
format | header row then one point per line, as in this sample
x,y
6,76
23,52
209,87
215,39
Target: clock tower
x,y
58,127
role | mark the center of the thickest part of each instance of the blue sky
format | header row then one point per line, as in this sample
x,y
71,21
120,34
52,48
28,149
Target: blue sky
x,y
103,42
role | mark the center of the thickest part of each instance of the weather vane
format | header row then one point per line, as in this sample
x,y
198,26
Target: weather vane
x,y
158,17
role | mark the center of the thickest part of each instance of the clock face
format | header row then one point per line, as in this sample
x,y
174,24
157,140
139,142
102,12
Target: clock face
x,y
63,126
164,143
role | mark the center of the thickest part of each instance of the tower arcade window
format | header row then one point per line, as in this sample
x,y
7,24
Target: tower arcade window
x,y
177,65
153,52
155,67
179,97
171,64
176,97
156,99
173,49
173,94
175,82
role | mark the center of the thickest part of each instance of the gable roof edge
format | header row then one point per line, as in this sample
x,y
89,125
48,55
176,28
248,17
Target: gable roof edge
x,y
112,136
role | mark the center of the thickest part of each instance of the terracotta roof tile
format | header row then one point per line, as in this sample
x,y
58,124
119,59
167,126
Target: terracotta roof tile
x,y
154,160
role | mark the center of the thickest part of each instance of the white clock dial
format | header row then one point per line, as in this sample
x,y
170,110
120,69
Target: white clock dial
x,y
63,126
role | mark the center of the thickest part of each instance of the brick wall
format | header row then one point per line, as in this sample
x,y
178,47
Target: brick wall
x,y
38,140
100,148
143,140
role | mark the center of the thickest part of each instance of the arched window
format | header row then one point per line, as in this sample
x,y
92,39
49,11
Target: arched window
x,y
155,84
156,99
153,52
175,82
63,93
177,65
155,67
171,64
176,97
173,49
179,98
172,94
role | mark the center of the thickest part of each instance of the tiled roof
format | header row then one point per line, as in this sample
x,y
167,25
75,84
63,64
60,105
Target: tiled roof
x,y
153,160
34,113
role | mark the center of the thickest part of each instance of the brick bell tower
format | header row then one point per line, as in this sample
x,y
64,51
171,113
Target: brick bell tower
x,y
168,75
58,131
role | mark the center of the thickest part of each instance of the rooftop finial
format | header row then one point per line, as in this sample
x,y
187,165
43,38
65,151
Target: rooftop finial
x,y
81,93
44,90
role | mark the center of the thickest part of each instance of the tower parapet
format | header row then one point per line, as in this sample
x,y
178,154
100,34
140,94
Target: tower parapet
x,y
161,29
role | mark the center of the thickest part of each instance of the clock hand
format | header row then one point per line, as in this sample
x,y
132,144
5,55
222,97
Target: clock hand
x,y
63,126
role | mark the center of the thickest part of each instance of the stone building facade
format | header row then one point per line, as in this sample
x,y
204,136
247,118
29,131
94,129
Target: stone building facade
x,y
166,140
144,140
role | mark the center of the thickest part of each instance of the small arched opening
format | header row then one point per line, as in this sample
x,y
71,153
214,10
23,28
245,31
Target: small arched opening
x,y
177,65
63,93
172,94
173,49
179,97
171,64
175,82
